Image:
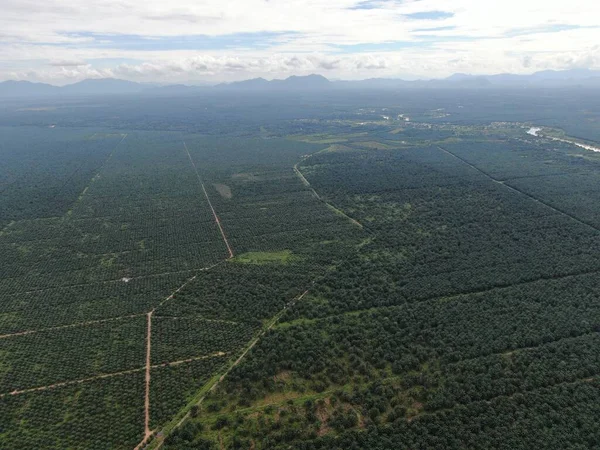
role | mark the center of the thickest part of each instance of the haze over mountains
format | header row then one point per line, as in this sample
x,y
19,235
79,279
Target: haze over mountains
x,y
111,86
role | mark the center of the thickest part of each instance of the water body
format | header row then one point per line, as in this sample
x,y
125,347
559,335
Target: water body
x,y
585,146
533,131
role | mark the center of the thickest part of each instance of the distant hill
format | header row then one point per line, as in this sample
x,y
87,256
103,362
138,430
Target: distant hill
x,y
103,86
454,82
574,77
548,78
13,88
308,82
253,83
112,86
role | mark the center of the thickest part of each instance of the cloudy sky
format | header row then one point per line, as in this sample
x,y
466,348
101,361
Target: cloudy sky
x,y
205,41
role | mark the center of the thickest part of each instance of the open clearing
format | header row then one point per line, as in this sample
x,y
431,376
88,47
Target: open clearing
x,y
223,190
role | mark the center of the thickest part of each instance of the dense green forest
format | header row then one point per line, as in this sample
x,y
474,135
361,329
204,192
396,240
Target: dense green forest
x,y
467,317
311,277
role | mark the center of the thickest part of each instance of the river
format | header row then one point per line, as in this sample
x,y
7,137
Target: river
x,y
533,131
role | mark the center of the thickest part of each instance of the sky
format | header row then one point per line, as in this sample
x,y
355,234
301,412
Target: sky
x,y
209,41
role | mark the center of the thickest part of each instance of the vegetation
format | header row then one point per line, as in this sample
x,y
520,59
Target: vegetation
x,y
281,257
468,302
326,279
54,356
99,414
141,255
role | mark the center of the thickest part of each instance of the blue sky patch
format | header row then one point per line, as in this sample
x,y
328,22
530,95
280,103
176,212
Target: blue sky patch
x,y
430,15
368,4
259,40
379,47
374,4
554,28
418,30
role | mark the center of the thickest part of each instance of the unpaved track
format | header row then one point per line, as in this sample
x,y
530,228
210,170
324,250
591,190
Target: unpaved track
x,y
306,183
188,281
176,291
92,322
147,368
518,191
80,196
147,432
209,202
67,383
73,325
274,320
158,442
118,280
198,319
110,375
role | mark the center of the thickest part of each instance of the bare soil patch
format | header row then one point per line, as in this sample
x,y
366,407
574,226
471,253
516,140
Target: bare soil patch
x,y
223,190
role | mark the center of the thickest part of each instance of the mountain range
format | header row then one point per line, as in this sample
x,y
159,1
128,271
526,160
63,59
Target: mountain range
x,y
111,86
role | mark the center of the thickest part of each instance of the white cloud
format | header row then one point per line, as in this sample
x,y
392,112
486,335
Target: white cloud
x,y
58,40
67,63
208,67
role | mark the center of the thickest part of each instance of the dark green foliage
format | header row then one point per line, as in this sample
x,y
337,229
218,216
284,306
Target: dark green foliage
x,y
555,418
174,386
470,308
64,305
440,228
242,292
181,337
43,170
131,227
53,356
103,414
462,314
188,432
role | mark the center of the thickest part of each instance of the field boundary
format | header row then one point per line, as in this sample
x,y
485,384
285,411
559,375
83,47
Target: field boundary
x,y
209,202
60,384
115,280
148,367
92,322
445,297
337,211
73,325
217,378
147,432
586,379
96,173
519,191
